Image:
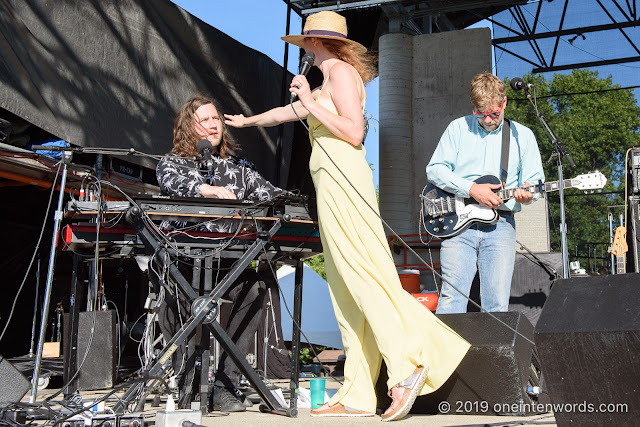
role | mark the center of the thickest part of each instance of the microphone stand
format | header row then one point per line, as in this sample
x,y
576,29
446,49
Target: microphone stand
x,y
66,159
560,152
67,155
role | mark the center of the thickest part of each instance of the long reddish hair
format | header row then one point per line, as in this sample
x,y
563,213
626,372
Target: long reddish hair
x,y
185,137
363,61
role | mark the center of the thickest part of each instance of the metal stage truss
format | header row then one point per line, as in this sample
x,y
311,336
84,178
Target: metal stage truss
x,y
515,22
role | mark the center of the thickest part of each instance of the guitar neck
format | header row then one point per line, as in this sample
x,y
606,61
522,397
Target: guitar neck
x,y
620,265
508,193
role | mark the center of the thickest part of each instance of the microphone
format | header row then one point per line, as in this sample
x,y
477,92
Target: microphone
x,y
305,65
518,84
204,148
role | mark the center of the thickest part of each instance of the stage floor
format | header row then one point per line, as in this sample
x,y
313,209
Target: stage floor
x,y
253,416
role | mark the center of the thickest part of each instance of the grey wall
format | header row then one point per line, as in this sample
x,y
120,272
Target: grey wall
x,y
424,84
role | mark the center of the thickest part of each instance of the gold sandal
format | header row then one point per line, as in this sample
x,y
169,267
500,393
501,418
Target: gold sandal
x,y
412,386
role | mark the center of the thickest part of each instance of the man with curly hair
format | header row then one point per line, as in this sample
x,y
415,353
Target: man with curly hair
x,y
184,173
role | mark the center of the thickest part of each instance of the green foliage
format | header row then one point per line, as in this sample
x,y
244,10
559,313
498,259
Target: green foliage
x,y
307,354
597,126
317,264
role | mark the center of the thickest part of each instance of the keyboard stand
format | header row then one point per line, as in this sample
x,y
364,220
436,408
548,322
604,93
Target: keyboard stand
x,y
203,311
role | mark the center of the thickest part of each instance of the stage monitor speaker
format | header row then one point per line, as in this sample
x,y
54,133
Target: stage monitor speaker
x,y
13,385
494,376
533,276
588,339
99,369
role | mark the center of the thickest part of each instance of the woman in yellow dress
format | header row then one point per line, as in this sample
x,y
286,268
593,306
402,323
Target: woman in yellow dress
x,y
377,318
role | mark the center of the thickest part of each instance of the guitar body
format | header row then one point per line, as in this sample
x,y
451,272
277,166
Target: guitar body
x,y
446,215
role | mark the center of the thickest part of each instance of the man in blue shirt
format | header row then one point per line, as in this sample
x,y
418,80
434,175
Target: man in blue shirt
x,y
471,147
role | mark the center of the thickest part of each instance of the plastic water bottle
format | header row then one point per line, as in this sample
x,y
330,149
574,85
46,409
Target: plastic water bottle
x,y
171,405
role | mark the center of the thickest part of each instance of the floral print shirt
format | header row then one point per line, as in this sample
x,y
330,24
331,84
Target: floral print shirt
x,y
180,176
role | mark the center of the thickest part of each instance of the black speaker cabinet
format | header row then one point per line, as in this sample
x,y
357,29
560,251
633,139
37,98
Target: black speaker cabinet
x,y
494,376
13,385
634,166
531,282
99,369
588,339
633,235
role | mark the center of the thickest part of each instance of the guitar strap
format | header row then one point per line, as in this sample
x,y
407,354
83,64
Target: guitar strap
x,y
506,140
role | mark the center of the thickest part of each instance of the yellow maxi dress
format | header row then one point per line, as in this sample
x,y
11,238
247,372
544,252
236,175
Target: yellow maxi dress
x,y
377,317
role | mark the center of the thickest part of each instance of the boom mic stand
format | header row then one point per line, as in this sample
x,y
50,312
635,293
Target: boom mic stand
x,y
57,218
560,152
67,155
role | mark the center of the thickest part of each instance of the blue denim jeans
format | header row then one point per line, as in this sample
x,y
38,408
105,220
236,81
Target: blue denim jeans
x,y
489,249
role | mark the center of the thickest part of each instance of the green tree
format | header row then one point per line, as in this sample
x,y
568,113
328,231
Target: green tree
x,y
597,123
317,264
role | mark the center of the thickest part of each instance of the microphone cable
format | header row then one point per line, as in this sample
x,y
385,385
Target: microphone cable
x,y
398,236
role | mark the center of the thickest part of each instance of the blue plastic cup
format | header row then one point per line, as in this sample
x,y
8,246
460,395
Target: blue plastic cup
x,y
317,392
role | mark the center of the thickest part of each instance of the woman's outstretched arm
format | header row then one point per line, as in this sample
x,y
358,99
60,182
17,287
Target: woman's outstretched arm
x,y
269,118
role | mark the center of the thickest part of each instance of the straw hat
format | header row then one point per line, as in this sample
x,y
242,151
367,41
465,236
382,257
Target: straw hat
x,y
323,25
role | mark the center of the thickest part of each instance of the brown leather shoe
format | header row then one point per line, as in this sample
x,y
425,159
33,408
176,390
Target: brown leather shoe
x,y
411,387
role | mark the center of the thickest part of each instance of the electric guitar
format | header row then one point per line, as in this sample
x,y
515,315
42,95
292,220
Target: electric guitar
x,y
445,215
619,248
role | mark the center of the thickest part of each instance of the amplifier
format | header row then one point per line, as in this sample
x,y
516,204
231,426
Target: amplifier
x,y
125,170
103,420
634,169
99,369
633,234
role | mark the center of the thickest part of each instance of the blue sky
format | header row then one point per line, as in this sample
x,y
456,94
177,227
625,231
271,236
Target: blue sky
x,y
590,47
259,24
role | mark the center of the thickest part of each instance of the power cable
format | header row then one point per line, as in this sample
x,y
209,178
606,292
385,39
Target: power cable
x,y
35,252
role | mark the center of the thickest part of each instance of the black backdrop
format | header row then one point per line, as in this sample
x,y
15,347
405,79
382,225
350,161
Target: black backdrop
x,y
112,73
